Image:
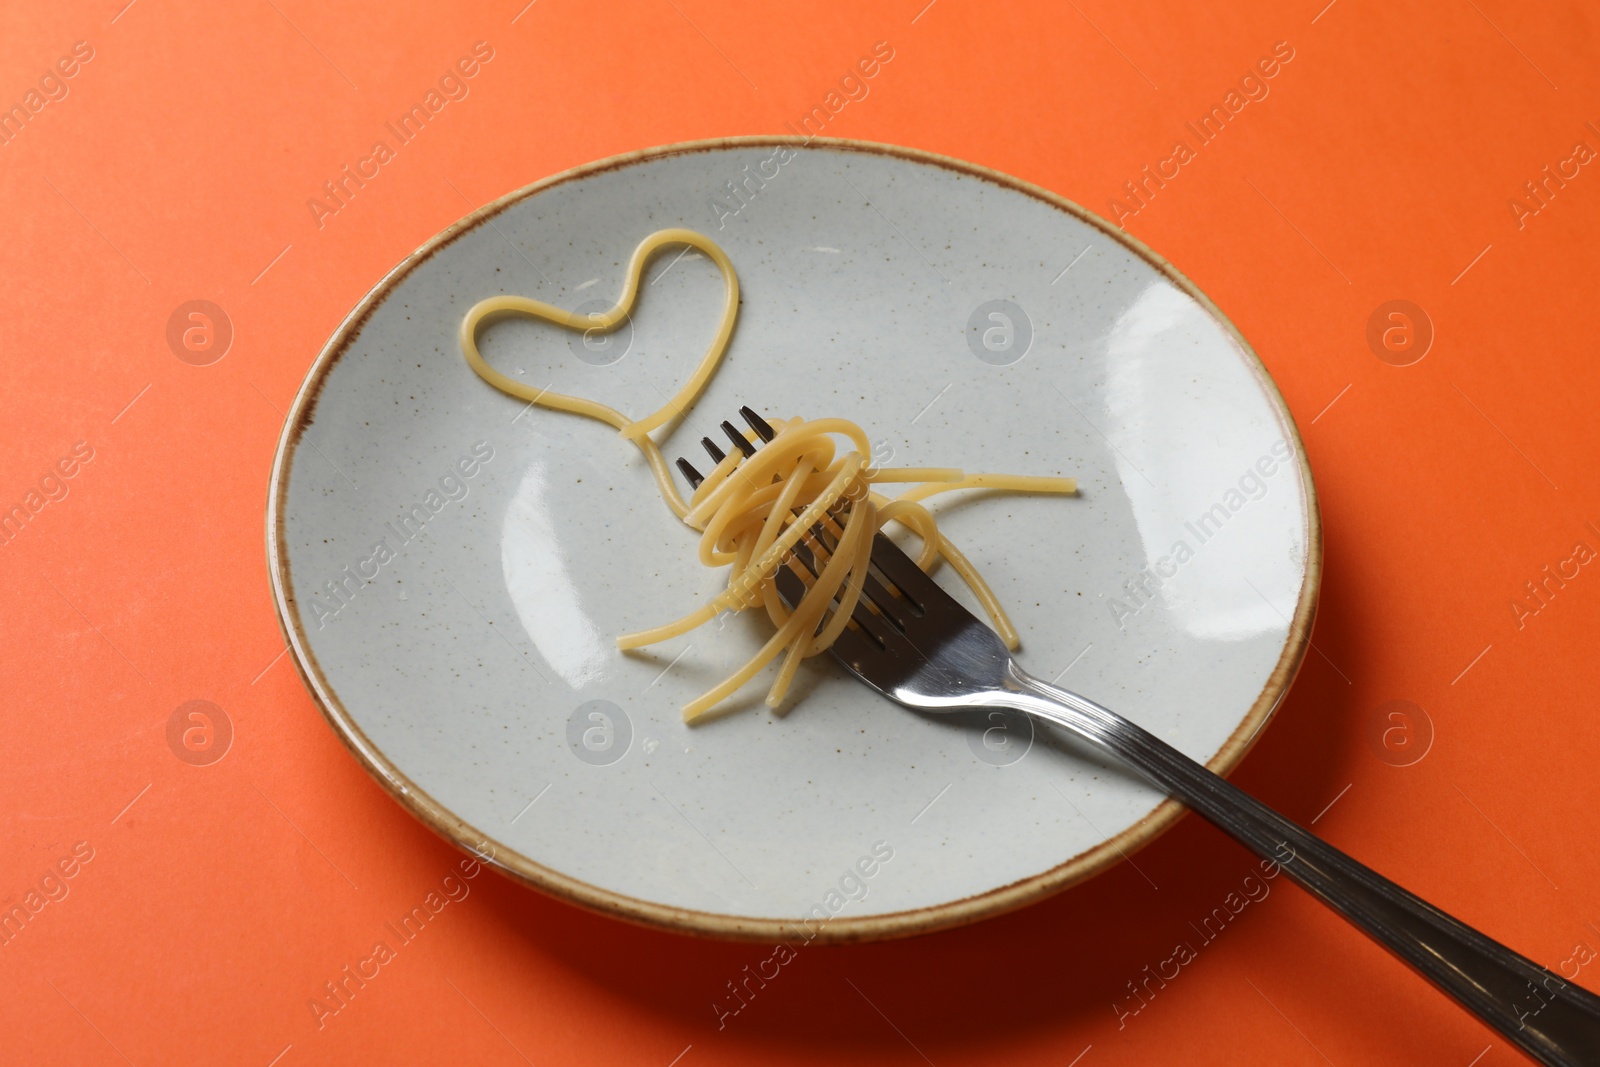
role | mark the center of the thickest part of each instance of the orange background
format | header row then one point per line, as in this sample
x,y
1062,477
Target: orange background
x,y
216,905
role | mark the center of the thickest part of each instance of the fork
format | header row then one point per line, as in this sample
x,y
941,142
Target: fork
x,y
921,648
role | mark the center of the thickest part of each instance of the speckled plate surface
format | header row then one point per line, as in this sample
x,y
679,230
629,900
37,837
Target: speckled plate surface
x,y
450,566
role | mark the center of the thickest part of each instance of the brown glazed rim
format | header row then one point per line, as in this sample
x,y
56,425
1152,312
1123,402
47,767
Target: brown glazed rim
x,y
839,930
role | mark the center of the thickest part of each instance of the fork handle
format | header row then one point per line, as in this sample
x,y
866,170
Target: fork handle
x,y
1551,1019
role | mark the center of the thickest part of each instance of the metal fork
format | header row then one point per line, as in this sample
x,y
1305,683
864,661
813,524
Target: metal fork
x,y
919,647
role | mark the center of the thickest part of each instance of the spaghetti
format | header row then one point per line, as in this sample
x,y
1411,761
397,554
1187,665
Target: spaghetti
x,y
753,512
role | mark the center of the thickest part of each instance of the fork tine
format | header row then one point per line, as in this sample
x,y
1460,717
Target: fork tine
x,y
852,646
891,608
888,626
875,626
914,593
761,426
895,565
740,441
693,476
881,614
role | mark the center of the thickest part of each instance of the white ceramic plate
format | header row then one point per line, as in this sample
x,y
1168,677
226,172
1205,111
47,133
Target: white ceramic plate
x,y
451,567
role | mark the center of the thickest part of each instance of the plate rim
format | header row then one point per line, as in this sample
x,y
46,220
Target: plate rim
x,y
842,929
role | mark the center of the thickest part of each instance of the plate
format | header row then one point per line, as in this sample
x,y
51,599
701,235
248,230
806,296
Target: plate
x,y
450,566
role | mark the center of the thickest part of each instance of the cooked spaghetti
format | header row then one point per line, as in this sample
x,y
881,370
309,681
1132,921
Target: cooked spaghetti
x,y
753,512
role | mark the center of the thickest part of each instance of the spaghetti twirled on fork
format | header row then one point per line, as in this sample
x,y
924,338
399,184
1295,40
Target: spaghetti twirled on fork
x,y
755,506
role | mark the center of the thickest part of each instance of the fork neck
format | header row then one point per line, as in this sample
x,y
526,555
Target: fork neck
x,y
1079,714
